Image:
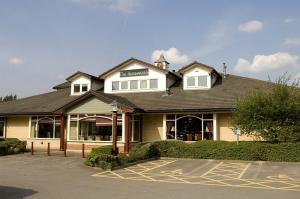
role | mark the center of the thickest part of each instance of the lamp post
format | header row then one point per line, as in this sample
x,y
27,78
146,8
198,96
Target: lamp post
x,y
114,105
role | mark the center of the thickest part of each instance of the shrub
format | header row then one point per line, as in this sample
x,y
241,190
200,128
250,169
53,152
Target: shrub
x,y
263,151
141,152
12,146
93,157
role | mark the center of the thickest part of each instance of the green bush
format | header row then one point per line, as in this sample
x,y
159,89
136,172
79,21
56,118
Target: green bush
x,y
263,151
12,146
93,157
141,152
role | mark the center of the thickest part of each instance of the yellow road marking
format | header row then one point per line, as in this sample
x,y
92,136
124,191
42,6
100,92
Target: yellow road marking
x,y
244,170
229,173
210,170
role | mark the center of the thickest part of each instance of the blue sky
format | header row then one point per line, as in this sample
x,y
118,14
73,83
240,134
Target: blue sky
x,y
42,42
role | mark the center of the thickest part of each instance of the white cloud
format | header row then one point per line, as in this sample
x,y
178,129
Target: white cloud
x,y
288,20
123,6
16,61
261,63
295,41
172,55
251,26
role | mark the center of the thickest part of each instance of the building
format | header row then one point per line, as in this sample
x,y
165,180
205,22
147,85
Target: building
x,y
139,101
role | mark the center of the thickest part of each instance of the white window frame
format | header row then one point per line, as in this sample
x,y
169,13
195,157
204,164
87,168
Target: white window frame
x,y
122,89
156,84
137,84
117,82
37,126
195,82
77,119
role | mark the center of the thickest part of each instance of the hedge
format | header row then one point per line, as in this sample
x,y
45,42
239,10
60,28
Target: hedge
x,y
11,146
255,151
103,157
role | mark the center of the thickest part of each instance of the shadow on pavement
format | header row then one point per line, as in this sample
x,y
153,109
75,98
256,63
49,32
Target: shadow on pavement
x,y
15,192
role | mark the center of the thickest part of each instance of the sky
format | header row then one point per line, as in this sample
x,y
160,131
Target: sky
x,y
42,42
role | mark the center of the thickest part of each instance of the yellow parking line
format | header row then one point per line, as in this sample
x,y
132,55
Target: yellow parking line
x,y
210,170
140,173
244,170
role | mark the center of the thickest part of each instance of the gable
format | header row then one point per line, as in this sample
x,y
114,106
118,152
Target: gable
x,y
90,106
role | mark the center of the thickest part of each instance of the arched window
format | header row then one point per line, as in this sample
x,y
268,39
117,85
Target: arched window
x,y
193,127
45,127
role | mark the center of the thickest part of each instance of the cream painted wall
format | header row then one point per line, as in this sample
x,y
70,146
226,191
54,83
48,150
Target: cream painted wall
x,y
224,128
153,127
153,74
17,127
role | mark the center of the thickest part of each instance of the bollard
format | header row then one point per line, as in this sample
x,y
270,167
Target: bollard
x,y
83,155
65,149
48,149
31,148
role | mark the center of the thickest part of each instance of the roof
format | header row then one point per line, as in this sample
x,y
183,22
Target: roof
x,y
161,59
222,97
62,85
39,104
132,60
196,64
83,74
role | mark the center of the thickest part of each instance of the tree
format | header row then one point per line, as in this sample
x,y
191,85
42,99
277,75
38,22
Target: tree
x,y
8,98
273,114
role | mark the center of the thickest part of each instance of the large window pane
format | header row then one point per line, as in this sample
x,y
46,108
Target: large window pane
x,y
202,81
191,81
170,134
143,84
133,84
153,83
33,130
124,85
115,86
84,87
45,130
136,130
73,130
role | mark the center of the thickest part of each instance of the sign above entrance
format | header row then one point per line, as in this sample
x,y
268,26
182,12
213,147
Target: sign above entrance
x,y
135,72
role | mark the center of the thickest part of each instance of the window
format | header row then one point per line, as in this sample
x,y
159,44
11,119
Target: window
x,y
45,127
143,84
193,127
153,83
84,88
124,85
191,81
115,86
76,88
2,127
94,128
202,81
133,84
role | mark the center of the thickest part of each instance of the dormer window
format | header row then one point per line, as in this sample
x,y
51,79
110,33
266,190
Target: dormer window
x,y
191,81
197,81
76,88
202,81
80,89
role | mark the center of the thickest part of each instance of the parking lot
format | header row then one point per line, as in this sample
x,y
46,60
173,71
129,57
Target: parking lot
x,y
257,175
40,176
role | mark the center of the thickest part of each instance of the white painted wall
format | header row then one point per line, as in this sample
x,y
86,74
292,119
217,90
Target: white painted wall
x,y
193,73
80,80
153,74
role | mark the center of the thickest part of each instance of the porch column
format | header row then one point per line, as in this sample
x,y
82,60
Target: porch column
x,y
62,132
141,128
114,131
128,131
